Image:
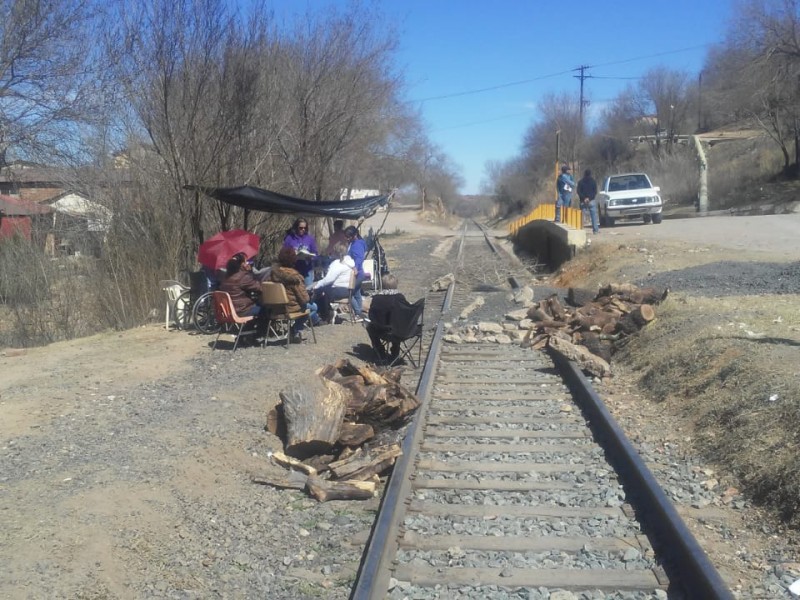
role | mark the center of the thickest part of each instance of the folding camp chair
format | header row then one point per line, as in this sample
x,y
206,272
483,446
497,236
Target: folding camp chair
x,y
229,321
405,329
280,320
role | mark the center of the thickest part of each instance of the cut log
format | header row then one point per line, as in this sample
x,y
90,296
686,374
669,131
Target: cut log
x,y
537,314
320,462
371,377
589,316
585,359
636,319
580,296
289,480
631,293
355,434
596,345
556,308
363,465
389,405
276,424
280,459
324,490
314,411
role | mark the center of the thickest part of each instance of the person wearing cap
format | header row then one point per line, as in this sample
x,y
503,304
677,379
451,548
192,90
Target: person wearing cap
x,y
565,185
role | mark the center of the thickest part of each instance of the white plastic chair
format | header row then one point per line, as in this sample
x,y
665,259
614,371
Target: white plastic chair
x,y
172,290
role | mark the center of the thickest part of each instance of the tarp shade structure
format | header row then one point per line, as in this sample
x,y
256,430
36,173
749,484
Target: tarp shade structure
x,y
253,198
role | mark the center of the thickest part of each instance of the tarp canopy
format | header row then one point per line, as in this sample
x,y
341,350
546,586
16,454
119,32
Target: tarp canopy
x,y
253,198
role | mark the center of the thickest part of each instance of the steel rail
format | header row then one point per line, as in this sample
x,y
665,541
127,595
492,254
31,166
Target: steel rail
x,y
371,578
698,577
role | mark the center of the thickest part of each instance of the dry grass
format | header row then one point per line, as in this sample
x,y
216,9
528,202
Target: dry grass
x,y
731,370
727,367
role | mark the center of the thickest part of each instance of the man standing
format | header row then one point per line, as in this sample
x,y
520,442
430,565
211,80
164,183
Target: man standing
x,y
587,191
565,184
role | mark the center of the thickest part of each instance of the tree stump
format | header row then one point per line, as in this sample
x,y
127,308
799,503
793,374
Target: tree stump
x,y
314,411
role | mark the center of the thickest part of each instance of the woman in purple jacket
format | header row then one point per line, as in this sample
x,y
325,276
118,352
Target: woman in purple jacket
x,y
305,246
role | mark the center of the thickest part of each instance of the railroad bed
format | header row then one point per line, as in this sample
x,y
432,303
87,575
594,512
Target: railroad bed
x,y
503,490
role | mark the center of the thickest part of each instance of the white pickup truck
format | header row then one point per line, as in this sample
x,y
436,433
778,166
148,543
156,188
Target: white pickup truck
x,y
629,196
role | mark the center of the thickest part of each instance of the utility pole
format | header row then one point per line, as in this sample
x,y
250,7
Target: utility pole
x,y
583,76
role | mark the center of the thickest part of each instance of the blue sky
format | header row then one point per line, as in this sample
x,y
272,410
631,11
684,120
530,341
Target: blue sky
x,y
526,49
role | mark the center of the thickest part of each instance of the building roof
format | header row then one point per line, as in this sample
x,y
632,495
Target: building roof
x,y
14,207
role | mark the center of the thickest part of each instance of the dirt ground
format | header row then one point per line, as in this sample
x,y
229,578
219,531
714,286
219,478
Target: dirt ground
x,y
677,405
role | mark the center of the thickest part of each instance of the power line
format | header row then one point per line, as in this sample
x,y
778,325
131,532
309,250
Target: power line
x,y
491,88
551,75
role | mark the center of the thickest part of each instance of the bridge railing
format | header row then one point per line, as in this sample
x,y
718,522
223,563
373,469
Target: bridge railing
x,y
571,217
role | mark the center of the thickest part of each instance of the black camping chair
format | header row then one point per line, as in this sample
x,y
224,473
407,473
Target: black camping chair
x,y
406,325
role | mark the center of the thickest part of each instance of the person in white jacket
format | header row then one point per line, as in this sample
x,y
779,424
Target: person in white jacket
x,y
336,283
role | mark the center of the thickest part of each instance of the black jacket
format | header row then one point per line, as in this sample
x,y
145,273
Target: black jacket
x,y
380,310
587,189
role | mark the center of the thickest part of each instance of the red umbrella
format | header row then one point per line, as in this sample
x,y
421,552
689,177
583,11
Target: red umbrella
x,y
217,250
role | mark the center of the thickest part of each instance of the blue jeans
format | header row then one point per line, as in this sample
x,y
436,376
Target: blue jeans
x,y
591,206
358,301
300,323
564,200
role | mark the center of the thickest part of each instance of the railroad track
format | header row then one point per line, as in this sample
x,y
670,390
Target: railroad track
x,y
504,486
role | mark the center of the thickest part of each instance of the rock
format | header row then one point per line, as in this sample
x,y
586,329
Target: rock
x,y
487,327
523,295
451,338
527,324
517,315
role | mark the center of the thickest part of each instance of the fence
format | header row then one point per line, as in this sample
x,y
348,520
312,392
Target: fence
x,y
571,217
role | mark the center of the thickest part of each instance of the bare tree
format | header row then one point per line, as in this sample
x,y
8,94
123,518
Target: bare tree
x,y
765,39
48,82
338,83
666,93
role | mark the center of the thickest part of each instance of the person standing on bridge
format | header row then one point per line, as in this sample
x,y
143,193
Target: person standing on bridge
x,y
587,192
565,185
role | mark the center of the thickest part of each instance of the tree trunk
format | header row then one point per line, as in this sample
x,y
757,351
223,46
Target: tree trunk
x,y
585,359
636,319
314,411
340,490
363,465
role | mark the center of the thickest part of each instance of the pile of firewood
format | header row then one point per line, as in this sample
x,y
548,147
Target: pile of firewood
x,y
340,431
595,324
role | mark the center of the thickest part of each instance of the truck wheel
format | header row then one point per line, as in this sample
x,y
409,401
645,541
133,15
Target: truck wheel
x,y
646,219
657,218
610,221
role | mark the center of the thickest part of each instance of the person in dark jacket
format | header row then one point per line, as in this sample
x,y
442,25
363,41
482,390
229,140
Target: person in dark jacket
x,y
294,283
565,185
587,193
357,250
380,317
242,286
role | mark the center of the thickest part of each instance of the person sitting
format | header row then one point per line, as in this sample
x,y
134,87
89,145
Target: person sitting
x,y
380,318
285,273
244,290
305,247
336,283
337,237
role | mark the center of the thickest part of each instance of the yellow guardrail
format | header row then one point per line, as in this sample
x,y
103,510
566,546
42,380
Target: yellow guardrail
x,y
571,217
